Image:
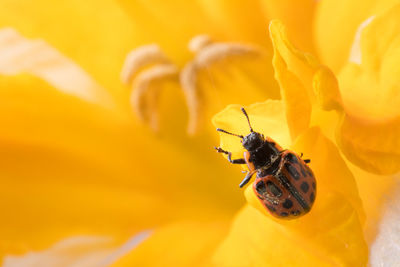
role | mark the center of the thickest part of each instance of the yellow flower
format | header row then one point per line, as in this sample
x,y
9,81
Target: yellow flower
x,y
78,168
335,236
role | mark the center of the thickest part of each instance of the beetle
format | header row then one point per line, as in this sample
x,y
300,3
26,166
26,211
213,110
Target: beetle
x,y
284,183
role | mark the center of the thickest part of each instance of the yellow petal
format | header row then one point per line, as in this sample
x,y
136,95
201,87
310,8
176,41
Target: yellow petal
x,y
81,250
297,16
238,20
302,79
301,64
325,237
70,167
369,131
374,191
373,146
326,89
336,23
96,36
21,55
178,244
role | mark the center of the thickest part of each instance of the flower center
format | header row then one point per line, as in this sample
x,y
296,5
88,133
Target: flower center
x,y
148,64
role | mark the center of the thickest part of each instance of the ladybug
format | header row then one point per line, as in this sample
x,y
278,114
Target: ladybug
x,y
285,184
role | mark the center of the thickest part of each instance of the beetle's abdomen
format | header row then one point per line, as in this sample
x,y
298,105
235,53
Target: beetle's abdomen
x,y
291,191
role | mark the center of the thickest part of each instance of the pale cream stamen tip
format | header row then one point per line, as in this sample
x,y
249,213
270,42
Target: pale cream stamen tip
x,y
139,58
143,100
143,96
199,42
207,54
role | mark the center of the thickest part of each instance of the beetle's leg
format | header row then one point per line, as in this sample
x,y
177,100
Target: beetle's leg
x,y
247,178
233,161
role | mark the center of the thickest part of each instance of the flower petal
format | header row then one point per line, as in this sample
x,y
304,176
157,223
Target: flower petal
x,y
297,16
373,190
95,35
77,251
335,238
178,244
336,23
369,132
21,55
71,167
302,79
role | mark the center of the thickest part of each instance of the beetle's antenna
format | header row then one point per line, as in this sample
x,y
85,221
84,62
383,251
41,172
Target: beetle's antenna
x,y
220,130
248,120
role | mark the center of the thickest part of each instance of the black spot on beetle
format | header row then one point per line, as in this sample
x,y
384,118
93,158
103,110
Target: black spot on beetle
x,y
313,185
304,187
295,212
284,214
312,197
292,171
287,204
275,190
291,158
260,188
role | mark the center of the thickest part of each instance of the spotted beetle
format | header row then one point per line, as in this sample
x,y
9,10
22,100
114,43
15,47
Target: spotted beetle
x,y
284,184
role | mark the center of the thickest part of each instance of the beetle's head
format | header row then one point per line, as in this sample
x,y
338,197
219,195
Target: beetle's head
x,y
251,141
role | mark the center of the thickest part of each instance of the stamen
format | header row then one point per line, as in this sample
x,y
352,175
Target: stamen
x,y
199,42
144,96
140,57
219,51
208,53
143,100
188,80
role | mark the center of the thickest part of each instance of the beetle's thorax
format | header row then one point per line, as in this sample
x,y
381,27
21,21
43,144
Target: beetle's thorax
x,y
264,155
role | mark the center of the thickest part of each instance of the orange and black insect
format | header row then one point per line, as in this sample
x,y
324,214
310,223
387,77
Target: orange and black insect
x,y
285,184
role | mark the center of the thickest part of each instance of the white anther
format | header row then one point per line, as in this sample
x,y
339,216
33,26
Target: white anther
x,y
220,51
206,56
143,100
188,80
140,57
199,42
